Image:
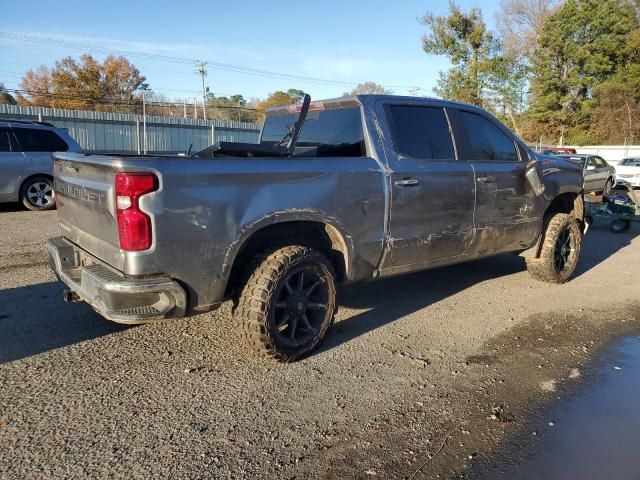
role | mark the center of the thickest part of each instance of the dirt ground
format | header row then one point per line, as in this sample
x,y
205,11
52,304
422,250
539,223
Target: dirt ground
x,y
423,376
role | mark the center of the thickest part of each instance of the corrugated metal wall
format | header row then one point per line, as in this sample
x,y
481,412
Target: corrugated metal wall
x,y
124,133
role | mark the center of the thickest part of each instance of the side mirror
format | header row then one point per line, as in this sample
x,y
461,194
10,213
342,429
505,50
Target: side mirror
x,y
533,174
591,167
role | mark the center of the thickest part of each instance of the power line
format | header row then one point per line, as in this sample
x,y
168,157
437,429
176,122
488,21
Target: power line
x,y
168,58
114,101
14,74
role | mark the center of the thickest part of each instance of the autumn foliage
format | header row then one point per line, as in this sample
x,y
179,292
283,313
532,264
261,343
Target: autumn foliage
x,y
86,84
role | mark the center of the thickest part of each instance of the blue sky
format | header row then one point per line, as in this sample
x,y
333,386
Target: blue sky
x,y
346,41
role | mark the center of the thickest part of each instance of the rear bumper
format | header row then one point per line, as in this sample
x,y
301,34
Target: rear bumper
x,y
109,292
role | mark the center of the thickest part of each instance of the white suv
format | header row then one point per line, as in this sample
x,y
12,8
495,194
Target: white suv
x,y
26,162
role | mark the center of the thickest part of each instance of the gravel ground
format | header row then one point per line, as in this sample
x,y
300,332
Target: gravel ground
x,y
423,376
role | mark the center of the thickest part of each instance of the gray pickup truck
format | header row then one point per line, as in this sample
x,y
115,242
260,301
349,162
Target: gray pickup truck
x,y
337,190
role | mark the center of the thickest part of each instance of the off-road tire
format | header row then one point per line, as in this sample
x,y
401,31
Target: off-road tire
x,y
26,194
544,267
255,312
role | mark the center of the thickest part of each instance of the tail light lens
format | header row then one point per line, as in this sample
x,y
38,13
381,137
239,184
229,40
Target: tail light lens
x,y
134,226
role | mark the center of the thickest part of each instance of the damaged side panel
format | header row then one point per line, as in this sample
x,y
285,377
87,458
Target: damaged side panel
x,y
221,203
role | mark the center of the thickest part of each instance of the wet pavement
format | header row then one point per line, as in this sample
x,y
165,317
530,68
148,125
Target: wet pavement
x,y
595,434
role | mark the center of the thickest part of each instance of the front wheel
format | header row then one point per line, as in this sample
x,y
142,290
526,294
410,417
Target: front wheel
x,y
37,194
288,303
608,187
560,250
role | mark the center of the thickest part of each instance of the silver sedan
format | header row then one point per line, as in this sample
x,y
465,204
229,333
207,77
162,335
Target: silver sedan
x,y
599,176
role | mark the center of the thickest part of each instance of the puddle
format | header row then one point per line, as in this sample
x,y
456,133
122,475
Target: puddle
x,y
596,433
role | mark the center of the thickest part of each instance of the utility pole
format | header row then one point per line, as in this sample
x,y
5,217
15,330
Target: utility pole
x,y
184,107
195,107
413,91
202,70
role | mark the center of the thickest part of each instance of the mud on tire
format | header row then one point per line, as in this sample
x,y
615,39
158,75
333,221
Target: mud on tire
x,y
560,250
288,303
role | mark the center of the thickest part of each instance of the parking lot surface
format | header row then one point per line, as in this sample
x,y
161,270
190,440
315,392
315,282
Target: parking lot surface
x,y
425,374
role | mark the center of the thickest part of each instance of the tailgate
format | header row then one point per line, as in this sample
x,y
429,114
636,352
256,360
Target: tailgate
x,y
84,186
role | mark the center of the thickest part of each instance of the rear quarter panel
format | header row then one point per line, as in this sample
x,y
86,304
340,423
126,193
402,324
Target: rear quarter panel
x,y
206,210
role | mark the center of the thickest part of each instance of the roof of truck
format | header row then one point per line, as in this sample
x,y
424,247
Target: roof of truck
x,y
348,100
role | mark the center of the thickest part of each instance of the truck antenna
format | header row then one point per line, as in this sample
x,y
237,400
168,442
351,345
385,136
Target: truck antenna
x,y
297,127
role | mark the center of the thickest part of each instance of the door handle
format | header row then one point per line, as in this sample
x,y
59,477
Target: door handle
x,y
407,182
486,179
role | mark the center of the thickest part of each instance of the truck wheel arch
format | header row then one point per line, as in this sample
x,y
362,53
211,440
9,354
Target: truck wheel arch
x,y
321,235
568,202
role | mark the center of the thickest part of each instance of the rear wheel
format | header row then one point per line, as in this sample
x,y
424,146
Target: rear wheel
x,y
37,193
560,250
288,303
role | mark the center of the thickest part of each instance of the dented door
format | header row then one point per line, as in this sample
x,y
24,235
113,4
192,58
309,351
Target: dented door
x,y
432,193
505,214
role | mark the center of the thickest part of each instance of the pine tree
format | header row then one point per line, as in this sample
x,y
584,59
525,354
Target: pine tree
x,y
581,46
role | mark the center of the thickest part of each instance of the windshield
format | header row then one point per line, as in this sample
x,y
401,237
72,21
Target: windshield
x,y
326,133
630,162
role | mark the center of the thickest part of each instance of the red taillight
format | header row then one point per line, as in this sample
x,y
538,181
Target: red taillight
x,y
134,226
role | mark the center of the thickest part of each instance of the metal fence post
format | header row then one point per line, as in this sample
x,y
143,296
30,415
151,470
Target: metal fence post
x,y
138,134
144,123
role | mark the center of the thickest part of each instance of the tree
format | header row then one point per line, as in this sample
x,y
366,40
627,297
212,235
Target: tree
x,y
369,88
464,38
161,105
505,92
581,46
617,101
520,23
5,96
87,84
278,99
234,109
614,118
296,94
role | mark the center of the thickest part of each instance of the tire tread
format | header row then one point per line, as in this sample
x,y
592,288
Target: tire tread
x,y
251,313
542,268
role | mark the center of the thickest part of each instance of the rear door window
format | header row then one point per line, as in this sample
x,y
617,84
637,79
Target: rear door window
x,y
5,145
485,140
36,140
335,132
600,163
421,132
